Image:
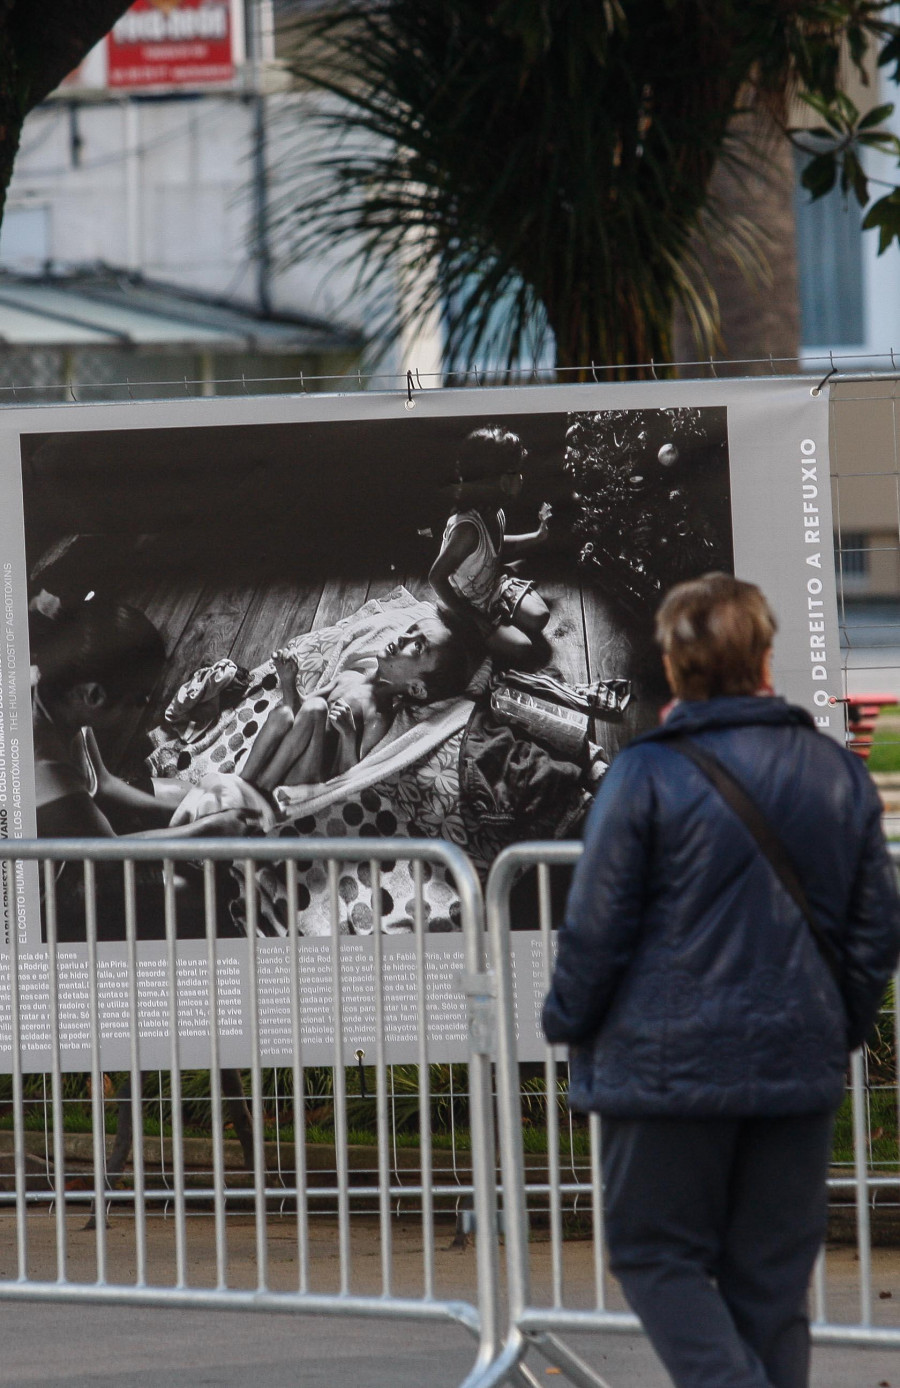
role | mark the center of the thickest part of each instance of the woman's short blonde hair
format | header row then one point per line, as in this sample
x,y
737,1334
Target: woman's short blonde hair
x,y
715,631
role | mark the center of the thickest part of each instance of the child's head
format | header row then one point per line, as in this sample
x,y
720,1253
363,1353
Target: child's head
x,y
97,659
491,459
430,660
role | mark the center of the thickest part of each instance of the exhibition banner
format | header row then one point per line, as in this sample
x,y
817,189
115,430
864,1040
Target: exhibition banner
x,y
363,615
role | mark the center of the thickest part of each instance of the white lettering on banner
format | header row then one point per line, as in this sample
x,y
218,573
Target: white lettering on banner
x,y
179,25
809,516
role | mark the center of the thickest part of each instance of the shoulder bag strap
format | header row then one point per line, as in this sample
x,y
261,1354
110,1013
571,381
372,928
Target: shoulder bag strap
x,y
767,841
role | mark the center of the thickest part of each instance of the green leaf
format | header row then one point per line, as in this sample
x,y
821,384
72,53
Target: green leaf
x,y
852,176
819,175
876,116
821,106
881,140
890,53
885,215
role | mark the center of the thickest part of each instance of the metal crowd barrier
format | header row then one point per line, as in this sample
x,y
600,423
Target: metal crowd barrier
x,y
556,1195
168,1277
554,1283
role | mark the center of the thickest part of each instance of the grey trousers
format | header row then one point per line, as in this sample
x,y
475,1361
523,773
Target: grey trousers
x,y
713,1226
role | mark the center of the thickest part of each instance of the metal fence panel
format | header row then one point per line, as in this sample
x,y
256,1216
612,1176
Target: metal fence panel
x,y
535,1193
167,1270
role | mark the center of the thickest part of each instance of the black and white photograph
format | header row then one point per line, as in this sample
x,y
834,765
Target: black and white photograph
x,y
423,627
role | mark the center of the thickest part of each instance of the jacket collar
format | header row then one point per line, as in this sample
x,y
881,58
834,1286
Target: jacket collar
x,y
694,716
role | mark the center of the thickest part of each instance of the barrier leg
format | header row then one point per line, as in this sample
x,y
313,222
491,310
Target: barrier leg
x,y
570,1363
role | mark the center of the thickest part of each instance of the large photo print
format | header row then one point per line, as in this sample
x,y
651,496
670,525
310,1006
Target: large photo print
x,y
414,627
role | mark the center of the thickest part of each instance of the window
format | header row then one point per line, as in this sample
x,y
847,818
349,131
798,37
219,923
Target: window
x,y
851,552
829,267
25,238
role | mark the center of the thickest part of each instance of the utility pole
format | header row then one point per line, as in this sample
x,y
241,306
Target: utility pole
x,y
261,45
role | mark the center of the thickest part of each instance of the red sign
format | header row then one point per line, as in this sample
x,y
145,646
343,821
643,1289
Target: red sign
x,y
171,43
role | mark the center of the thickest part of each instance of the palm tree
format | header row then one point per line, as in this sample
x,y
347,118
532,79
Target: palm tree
x,y
544,166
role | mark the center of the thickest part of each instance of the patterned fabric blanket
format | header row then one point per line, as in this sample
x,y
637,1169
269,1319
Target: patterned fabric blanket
x,y
408,786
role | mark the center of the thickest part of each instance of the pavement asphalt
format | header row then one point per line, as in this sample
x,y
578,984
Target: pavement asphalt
x,y
74,1347
130,1346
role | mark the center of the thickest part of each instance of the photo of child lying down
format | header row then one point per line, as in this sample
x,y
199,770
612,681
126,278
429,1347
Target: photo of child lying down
x,y
373,680
443,767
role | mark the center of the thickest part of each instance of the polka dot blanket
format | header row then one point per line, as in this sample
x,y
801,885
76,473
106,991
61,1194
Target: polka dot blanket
x,y
408,786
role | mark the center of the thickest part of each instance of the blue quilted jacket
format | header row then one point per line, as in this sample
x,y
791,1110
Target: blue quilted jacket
x,y
687,981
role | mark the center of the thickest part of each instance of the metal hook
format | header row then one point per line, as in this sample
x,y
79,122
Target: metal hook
x,y
409,402
244,382
817,390
130,391
418,382
186,391
893,363
302,386
72,393
772,364
653,369
594,372
712,367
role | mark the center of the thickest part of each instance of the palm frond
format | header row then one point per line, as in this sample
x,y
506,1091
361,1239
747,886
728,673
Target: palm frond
x,y
537,169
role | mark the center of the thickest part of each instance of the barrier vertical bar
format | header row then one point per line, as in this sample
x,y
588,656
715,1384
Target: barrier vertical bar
x,y
482,1051
137,1078
819,1289
59,1142
216,1116
259,1149
15,1016
896,1019
425,1155
339,1084
595,1138
860,1163
381,1106
553,1164
98,1121
512,1153
299,1078
175,1075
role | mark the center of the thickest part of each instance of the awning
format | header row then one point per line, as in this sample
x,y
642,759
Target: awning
x,y
99,306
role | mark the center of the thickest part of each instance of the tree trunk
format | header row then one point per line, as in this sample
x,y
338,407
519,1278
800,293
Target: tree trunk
x,y
41,42
759,317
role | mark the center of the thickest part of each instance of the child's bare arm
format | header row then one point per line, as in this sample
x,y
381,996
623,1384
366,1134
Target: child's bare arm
x,y
353,745
343,719
286,670
514,545
112,791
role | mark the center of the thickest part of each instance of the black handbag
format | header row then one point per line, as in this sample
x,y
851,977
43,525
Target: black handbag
x,y
767,841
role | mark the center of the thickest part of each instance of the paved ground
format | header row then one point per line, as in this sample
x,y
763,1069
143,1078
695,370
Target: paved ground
x,y
66,1347
133,1347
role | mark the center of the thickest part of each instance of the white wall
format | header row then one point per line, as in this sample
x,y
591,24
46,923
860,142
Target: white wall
x,y
166,188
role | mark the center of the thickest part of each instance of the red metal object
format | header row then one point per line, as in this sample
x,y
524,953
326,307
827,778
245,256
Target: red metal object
x,y
862,716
